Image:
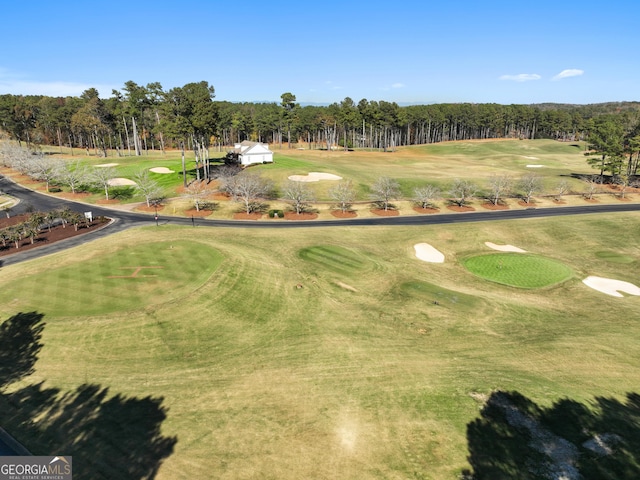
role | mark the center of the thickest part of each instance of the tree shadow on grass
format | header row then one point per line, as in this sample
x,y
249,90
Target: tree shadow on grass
x,y
109,436
515,438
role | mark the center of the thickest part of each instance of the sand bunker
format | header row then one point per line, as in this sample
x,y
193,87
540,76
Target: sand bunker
x,y
427,253
504,248
530,158
119,182
161,170
105,165
314,177
535,166
611,287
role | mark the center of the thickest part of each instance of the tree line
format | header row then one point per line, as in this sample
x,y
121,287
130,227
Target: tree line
x,y
141,118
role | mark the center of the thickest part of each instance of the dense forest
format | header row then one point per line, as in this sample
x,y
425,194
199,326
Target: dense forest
x,y
140,118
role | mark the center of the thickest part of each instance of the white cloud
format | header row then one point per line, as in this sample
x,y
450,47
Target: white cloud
x,y
571,72
397,85
52,89
521,77
16,85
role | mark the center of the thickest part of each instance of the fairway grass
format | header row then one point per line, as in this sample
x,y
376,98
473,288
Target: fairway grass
x,y
127,279
518,270
269,367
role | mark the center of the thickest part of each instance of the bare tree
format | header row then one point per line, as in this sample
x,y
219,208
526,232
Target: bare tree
x,y
343,194
248,188
623,180
562,188
102,177
424,196
72,174
300,195
147,186
197,191
384,190
462,191
43,169
530,184
593,186
499,185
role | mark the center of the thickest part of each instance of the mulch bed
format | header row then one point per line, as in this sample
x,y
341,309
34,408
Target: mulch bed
x,y
73,196
45,237
491,206
425,210
300,216
111,201
151,209
247,216
198,213
381,212
465,208
341,214
522,203
559,202
591,200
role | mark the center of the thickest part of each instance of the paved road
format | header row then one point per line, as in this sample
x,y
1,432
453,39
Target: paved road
x,y
124,219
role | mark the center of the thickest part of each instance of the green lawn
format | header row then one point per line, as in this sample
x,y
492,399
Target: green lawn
x,y
518,270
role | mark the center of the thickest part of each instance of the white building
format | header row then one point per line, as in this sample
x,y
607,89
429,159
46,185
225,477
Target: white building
x,y
250,153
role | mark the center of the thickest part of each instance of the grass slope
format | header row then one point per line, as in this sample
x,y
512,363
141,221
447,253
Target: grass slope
x,y
335,353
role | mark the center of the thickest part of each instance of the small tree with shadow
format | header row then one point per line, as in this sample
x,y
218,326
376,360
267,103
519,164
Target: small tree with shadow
x,y
197,191
424,196
146,186
462,191
562,188
384,190
343,194
530,184
593,186
249,188
300,195
499,186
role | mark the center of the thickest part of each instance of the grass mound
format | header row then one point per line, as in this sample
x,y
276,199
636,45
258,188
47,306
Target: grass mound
x,y
127,279
614,257
518,270
334,258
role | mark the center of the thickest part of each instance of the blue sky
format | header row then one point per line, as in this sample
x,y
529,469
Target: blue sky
x,y
409,51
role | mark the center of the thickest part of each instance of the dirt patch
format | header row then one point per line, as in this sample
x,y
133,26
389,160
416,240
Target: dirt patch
x,y
45,237
300,216
491,206
341,214
425,210
381,212
247,216
559,202
464,208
